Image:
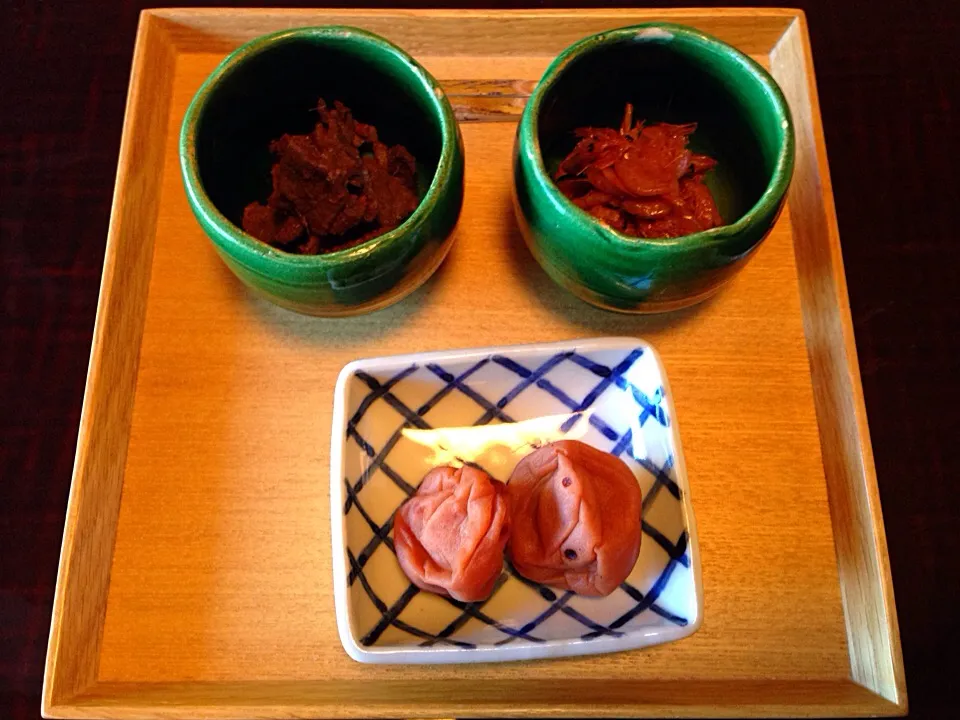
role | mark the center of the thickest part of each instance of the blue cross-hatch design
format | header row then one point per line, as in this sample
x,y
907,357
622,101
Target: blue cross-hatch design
x,y
649,408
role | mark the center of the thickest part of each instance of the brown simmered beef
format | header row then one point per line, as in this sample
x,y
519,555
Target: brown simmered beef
x,y
333,188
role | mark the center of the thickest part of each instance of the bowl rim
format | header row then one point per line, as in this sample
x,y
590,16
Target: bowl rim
x,y
528,133
251,251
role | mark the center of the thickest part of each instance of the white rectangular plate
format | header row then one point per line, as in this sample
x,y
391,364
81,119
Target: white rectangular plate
x,y
397,417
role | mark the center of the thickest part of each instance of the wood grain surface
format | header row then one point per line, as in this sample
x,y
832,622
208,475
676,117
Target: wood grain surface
x,y
220,595
872,631
108,404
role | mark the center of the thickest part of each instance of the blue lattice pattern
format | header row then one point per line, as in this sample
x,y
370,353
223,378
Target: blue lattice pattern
x,y
613,399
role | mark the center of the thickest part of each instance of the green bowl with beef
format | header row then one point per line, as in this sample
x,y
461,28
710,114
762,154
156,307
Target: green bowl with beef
x,y
270,87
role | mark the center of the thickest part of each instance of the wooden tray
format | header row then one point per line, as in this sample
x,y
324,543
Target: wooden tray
x,y
195,579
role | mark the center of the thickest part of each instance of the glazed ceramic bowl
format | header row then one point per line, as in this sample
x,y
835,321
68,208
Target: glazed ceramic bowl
x,y
397,417
670,73
269,87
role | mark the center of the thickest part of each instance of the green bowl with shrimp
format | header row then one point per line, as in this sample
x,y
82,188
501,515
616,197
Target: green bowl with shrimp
x,y
669,74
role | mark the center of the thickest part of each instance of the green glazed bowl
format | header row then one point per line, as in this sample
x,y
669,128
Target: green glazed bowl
x,y
269,87
670,73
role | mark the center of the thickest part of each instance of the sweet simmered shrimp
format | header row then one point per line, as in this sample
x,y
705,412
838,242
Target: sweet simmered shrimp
x,y
641,179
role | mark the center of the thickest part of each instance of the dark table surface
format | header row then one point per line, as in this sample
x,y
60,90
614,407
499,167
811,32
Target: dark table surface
x,y
889,79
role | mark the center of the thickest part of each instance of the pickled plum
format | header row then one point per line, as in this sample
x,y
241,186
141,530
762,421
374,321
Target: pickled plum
x,y
574,518
450,535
